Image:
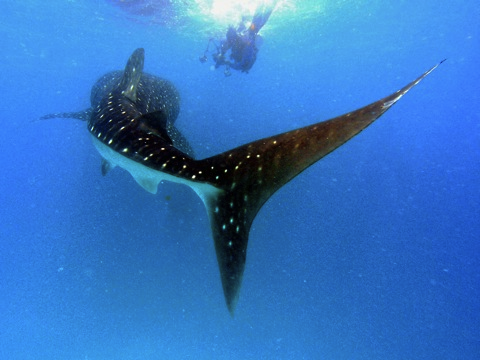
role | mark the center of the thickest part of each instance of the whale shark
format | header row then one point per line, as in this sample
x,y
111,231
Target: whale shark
x,y
233,185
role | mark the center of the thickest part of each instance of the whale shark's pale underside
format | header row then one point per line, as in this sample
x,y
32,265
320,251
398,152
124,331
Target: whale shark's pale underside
x,y
131,124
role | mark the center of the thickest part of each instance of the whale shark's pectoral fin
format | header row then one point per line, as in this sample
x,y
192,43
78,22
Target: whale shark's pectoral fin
x,y
250,174
132,74
80,115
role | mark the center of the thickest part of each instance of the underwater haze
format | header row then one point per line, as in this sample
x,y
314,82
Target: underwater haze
x,y
371,253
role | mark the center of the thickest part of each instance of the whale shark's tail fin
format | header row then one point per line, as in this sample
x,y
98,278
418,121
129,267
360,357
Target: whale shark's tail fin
x,y
250,174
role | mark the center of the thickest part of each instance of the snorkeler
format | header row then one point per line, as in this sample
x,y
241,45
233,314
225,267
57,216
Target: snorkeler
x,y
240,42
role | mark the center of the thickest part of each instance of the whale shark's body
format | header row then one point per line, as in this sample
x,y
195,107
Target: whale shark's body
x,y
153,94
234,185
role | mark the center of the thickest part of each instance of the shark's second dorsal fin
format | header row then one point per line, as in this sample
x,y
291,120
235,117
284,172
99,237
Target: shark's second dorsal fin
x,y
132,74
155,123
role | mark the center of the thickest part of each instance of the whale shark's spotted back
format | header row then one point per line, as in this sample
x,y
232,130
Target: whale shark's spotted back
x,y
153,94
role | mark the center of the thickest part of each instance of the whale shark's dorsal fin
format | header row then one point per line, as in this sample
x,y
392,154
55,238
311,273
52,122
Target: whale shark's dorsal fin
x,y
133,73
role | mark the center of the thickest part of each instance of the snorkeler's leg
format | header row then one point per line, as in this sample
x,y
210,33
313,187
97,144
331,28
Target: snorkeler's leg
x,y
219,59
262,14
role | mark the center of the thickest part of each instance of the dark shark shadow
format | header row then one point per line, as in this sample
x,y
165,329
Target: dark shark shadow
x,y
154,94
233,185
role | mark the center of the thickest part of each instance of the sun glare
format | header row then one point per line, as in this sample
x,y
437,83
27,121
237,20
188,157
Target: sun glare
x,y
231,11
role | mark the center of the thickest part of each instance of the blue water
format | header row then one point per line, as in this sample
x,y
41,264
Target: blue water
x,y
372,253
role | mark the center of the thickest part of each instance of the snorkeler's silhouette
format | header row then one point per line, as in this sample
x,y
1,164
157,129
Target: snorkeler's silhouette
x,y
240,42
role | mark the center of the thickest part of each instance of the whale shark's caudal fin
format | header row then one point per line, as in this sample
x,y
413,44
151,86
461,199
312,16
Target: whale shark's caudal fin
x,y
250,174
